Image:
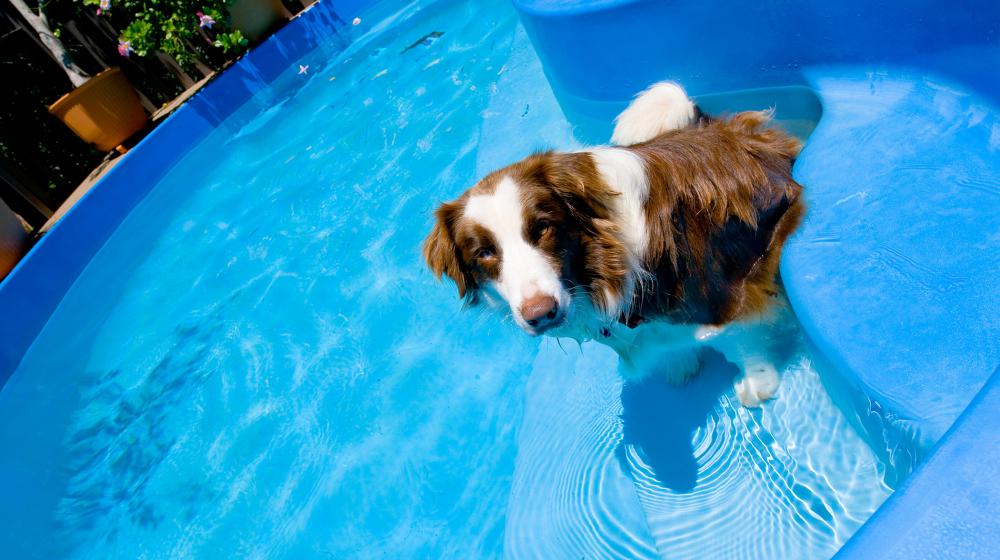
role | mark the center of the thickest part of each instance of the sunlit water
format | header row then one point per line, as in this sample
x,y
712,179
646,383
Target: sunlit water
x,y
258,365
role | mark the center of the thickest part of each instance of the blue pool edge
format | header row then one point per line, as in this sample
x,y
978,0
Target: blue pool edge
x,y
949,507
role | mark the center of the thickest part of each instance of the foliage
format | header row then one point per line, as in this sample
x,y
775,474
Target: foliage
x,y
179,28
232,41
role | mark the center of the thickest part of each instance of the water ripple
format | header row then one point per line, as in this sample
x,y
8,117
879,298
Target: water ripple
x,y
790,480
570,498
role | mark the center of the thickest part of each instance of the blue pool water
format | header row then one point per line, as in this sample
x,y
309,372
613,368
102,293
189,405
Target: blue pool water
x,y
258,365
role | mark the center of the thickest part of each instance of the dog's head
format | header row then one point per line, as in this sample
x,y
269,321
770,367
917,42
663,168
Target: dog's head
x,y
535,233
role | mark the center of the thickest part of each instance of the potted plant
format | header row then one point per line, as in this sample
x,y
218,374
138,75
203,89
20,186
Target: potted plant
x,y
172,27
175,27
102,110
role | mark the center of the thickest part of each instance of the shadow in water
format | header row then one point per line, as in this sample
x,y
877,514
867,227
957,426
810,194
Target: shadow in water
x,y
658,419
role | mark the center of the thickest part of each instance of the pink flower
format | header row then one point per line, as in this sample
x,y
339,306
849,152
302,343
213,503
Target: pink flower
x,y
124,48
205,21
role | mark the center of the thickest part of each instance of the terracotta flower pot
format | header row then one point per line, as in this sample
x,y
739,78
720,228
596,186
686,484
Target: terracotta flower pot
x,y
256,19
104,111
13,239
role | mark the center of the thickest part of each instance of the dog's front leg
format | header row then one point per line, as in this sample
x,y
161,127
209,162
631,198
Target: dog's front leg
x,y
743,345
656,348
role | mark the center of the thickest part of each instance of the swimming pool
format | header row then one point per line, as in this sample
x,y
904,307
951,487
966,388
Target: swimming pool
x,y
256,364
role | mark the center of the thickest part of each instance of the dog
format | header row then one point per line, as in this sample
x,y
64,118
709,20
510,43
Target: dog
x,y
654,245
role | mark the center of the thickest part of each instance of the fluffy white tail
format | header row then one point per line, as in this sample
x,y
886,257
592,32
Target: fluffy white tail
x,y
664,106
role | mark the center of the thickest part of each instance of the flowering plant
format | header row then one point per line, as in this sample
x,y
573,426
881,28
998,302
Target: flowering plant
x,y
172,27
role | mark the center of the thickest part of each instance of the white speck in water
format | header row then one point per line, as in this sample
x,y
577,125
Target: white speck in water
x,y
863,195
368,101
380,74
421,90
434,62
356,21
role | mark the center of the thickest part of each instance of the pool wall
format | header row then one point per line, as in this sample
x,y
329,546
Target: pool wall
x,y
33,290
893,273
599,53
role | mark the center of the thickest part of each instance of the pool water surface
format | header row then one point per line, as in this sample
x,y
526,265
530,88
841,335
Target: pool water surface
x,y
257,364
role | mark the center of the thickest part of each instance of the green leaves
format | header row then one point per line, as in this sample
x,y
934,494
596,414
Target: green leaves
x,y
232,41
172,27
141,36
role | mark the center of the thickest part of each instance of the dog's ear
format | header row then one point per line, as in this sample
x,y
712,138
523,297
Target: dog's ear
x,y
441,252
576,180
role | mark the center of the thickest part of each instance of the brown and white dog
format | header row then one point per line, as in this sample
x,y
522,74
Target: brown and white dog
x,y
649,246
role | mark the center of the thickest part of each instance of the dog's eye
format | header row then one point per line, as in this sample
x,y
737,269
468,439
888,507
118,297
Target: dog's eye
x,y
486,253
542,227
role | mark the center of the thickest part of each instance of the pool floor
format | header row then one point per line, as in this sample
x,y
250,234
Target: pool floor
x,y
257,364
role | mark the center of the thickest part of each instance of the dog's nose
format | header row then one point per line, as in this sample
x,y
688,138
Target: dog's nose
x,y
539,310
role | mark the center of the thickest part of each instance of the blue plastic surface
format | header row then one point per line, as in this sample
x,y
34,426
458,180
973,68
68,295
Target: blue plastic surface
x,y
950,509
607,50
893,272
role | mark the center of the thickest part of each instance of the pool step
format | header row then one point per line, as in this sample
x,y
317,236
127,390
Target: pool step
x,y
893,272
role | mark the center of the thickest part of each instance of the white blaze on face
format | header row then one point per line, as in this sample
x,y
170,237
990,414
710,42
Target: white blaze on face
x,y
524,270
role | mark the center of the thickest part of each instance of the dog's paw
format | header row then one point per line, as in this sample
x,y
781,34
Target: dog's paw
x,y
759,383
